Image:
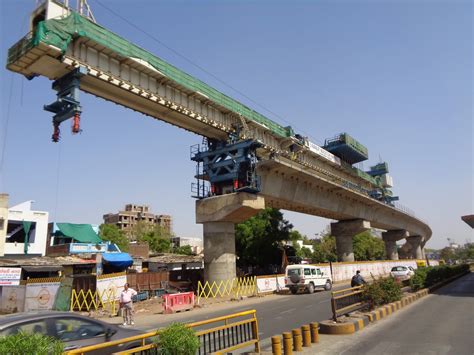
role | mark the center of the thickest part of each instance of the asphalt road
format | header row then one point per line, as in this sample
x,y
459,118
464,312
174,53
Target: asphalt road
x,y
440,323
275,313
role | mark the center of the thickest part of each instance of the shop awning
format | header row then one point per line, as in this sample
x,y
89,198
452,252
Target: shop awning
x,y
119,260
82,233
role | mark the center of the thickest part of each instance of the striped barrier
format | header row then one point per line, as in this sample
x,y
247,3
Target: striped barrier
x,y
177,302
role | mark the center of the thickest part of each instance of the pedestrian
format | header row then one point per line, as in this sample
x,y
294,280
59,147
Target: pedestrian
x,y
357,279
126,304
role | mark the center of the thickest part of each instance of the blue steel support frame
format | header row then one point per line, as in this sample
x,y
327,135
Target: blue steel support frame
x,y
67,103
231,165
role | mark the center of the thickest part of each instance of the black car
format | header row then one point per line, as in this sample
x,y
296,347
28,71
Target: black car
x,y
74,330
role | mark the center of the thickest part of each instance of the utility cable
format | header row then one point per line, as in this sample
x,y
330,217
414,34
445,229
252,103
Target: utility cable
x,y
5,131
182,56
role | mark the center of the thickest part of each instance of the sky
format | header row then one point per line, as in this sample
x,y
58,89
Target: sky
x,y
396,75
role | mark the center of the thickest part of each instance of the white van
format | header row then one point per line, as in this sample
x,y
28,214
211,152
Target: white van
x,y
306,277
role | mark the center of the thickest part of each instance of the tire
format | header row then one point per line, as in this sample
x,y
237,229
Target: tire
x,y
328,285
294,290
310,288
295,278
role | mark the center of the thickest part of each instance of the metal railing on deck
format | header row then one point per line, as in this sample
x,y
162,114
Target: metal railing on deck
x,y
217,335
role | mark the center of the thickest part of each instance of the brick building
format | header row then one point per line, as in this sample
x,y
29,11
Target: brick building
x,y
127,219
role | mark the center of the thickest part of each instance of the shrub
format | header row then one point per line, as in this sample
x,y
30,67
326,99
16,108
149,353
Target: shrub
x,y
382,291
427,277
418,280
34,344
177,339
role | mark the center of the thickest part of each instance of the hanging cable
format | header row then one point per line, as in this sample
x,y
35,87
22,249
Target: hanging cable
x,y
5,131
58,170
182,56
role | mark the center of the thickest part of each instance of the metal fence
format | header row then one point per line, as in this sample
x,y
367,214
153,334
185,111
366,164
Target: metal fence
x,y
217,336
236,287
347,300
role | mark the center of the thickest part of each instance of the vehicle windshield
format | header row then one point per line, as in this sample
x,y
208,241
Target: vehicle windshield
x,y
293,272
399,268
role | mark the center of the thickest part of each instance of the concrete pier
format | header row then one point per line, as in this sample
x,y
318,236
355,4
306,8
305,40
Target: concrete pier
x,y
390,239
344,231
219,214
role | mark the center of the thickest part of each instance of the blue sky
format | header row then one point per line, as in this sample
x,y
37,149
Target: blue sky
x,y
397,75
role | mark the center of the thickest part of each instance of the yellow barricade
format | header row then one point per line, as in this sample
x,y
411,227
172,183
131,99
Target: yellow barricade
x,y
88,300
236,287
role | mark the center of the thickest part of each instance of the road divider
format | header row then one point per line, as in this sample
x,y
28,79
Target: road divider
x,y
219,335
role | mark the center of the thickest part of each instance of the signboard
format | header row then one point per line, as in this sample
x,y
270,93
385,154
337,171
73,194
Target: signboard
x,y
111,286
10,276
13,299
40,296
270,283
323,153
77,248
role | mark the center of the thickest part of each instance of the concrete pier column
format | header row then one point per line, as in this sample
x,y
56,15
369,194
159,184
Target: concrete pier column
x,y
412,249
417,252
344,231
219,214
3,222
219,251
390,239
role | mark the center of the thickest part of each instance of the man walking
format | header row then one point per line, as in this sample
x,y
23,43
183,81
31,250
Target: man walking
x,y
126,304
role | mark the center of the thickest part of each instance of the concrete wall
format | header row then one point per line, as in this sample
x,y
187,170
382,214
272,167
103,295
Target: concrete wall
x,y
23,212
341,272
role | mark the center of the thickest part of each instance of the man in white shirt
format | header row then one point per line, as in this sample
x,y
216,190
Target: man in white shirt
x,y
127,305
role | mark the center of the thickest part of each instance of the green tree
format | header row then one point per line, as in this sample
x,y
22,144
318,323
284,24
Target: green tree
x,y
368,247
111,233
258,240
324,249
158,239
183,250
447,254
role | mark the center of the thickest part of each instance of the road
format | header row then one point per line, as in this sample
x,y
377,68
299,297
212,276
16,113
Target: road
x,y
275,313
441,323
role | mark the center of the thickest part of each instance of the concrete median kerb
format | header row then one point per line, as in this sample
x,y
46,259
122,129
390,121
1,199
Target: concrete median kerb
x,y
357,321
345,325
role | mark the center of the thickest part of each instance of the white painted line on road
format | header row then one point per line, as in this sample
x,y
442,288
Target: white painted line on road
x,y
308,306
324,301
288,311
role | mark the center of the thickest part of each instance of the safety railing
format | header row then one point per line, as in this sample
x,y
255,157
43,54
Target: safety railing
x,y
89,300
347,300
235,288
217,336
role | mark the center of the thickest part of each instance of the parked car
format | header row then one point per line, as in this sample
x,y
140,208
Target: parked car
x,y
402,272
74,330
303,277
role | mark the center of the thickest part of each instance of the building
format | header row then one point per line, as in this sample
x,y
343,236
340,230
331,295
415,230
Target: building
x,y
127,219
23,231
195,243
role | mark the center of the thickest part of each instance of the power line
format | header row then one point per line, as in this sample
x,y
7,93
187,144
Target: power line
x,y
182,56
5,131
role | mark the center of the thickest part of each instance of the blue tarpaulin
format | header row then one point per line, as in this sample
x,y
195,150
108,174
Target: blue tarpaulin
x,y
118,260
